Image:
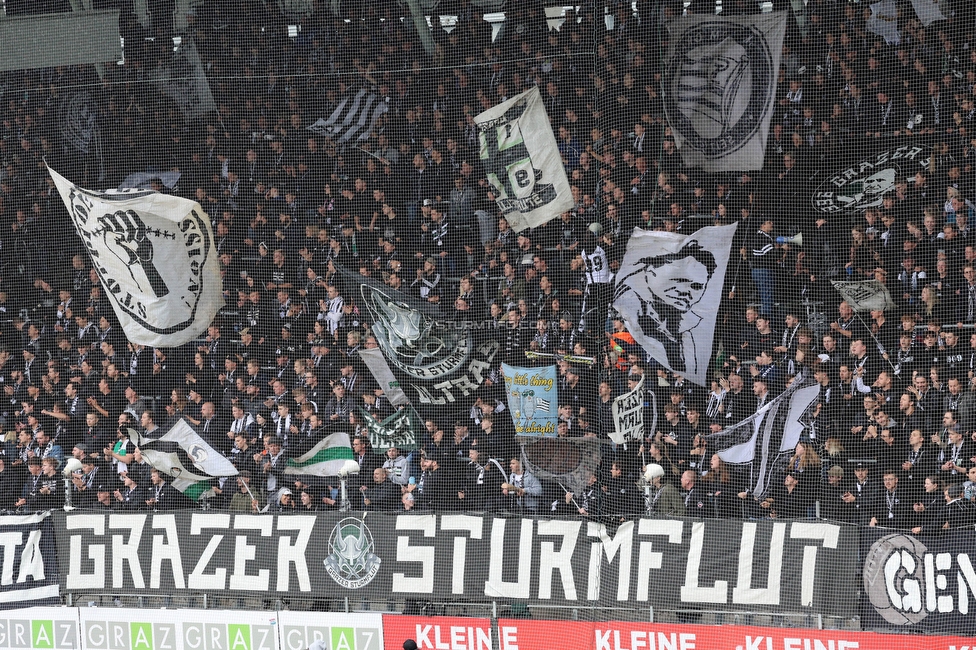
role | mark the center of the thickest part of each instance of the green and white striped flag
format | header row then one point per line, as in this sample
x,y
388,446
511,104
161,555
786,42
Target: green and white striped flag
x,y
324,459
186,457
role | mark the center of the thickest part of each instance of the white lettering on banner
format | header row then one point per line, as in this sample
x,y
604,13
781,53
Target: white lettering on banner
x,y
829,535
466,383
289,553
96,553
817,644
560,560
453,637
166,549
690,591
905,582
641,640
127,552
199,579
743,592
496,586
755,643
31,560
461,523
422,554
647,558
244,552
545,560
622,542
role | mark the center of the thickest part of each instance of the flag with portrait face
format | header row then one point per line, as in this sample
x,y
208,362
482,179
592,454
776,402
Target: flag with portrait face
x,y
668,290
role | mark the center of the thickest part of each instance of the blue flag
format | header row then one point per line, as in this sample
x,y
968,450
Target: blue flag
x,y
532,399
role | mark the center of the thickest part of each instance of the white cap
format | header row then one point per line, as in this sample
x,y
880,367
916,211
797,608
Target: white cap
x,y
652,472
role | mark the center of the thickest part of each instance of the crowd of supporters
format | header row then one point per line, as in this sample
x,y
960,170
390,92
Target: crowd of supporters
x,y
893,439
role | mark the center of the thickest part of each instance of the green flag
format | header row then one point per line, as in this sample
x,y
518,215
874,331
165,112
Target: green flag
x,y
324,459
398,430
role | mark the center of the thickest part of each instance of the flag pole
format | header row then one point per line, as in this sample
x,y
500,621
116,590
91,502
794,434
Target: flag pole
x,y
573,499
877,342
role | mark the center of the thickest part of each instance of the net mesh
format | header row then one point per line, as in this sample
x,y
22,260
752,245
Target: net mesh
x,y
374,287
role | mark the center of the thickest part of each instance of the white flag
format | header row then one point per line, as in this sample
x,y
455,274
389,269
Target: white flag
x,y
720,88
155,256
522,163
928,11
766,440
668,290
864,295
883,21
628,415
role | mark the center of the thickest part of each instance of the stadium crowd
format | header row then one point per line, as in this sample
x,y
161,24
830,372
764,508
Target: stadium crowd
x,y
893,437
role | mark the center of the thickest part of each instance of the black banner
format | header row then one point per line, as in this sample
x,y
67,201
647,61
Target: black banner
x,y
28,561
800,566
437,358
925,583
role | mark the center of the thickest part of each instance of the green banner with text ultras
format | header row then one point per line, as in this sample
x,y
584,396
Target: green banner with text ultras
x,y
532,399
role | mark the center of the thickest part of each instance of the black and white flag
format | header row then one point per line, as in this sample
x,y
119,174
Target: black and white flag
x,y
184,80
77,120
864,295
628,415
720,87
522,161
766,441
185,456
928,11
156,259
383,374
78,124
668,291
354,118
434,359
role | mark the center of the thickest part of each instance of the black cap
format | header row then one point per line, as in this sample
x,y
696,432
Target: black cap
x,y
409,644
104,488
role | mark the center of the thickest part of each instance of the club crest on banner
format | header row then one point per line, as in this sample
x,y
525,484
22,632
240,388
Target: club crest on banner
x,y
861,186
904,553
353,562
432,358
720,89
412,340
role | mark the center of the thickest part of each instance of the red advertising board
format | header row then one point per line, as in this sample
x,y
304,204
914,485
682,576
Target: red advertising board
x,y
457,633
438,632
